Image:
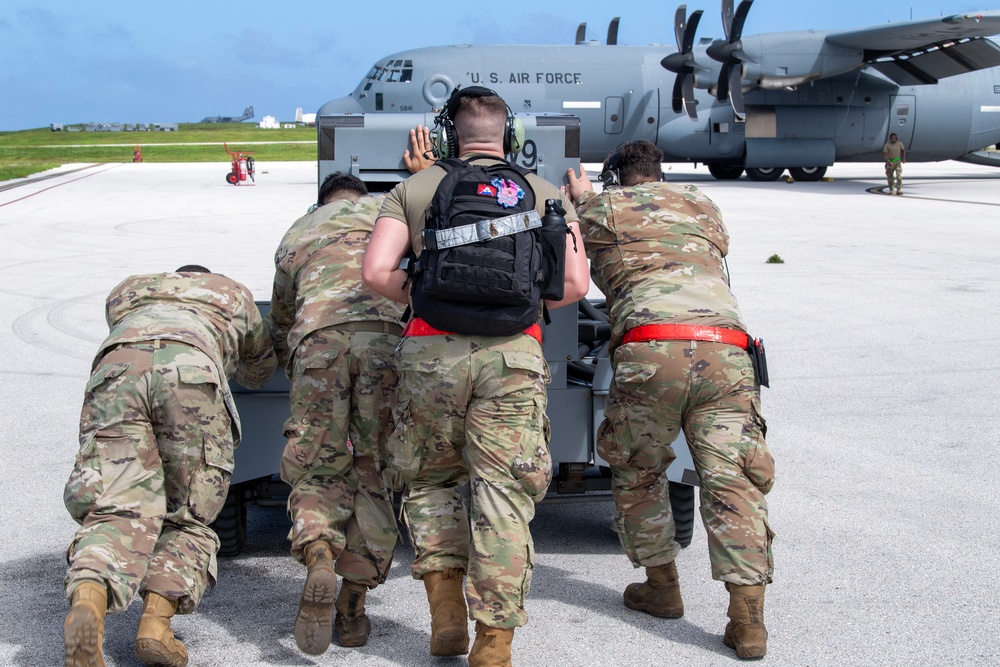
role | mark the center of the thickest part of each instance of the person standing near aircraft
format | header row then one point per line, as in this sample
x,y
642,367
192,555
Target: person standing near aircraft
x,y
157,434
336,339
469,396
680,358
895,157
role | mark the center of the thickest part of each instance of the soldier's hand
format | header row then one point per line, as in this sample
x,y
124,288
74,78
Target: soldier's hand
x,y
422,155
577,184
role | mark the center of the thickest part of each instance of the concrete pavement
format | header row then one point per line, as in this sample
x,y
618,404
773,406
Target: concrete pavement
x,y
881,417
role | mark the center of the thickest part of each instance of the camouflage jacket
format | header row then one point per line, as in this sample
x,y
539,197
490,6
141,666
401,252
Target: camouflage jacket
x,y
656,251
209,311
317,277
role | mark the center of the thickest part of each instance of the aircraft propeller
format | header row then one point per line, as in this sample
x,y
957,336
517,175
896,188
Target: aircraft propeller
x,y
683,63
730,53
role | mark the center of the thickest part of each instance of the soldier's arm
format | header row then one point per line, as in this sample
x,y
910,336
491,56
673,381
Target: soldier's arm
x,y
380,270
257,359
282,315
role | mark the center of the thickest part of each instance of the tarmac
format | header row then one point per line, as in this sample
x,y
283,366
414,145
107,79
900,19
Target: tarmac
x,y
881,417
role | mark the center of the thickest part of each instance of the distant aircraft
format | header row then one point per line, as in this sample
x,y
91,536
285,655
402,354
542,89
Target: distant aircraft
x,y
762,103
247,115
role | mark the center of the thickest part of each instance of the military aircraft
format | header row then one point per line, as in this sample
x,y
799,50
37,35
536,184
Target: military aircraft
x,y
247,115
758,103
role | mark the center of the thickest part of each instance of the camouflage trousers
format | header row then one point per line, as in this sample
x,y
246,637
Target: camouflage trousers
x,y
156,455
894,175
483,397
709,390
343,387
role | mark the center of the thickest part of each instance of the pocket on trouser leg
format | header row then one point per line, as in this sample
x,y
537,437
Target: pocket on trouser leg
x,y
532,465
755,458
112,475
210,480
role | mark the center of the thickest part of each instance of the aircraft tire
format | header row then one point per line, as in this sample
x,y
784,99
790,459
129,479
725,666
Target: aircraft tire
x,y
725,172
231,524
682,504
764,173
807,174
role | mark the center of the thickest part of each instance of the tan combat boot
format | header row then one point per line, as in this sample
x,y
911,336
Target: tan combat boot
x,y
449,615
155,643
314,623
659,595
745,631
351,623
492,647
84,627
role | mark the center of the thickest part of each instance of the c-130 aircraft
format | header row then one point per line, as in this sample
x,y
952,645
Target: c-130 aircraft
x,y
761,103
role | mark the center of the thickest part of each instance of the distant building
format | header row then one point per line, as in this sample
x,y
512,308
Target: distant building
x,y
56,127
269,123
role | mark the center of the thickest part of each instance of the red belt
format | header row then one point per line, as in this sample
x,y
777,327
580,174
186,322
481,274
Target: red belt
x,y
418,327
648,332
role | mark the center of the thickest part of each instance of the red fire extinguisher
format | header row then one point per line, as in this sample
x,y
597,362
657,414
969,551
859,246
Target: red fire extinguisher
x,y
243,168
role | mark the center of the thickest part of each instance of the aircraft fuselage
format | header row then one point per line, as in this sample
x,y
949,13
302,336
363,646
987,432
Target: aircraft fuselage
x,y
621,93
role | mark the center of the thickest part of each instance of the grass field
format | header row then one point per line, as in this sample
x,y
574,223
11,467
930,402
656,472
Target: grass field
x,y
31,151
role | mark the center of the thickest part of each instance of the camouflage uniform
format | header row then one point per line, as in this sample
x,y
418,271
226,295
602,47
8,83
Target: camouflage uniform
x,y
893,153
157,434
656,251
482,397
336,339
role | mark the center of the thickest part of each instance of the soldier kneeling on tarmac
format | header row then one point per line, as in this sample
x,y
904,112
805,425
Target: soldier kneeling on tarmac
x,y
157,435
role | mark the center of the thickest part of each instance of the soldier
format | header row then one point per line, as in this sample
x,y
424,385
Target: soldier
x,y
474,398
895,157
157,435
336,339
680,357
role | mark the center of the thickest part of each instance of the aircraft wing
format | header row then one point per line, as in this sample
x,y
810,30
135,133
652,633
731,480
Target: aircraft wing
x,y
923,52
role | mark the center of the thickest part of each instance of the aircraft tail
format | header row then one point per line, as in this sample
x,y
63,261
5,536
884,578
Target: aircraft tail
x,y
247,113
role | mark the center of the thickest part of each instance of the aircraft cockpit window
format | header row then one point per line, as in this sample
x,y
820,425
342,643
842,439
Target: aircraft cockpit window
x,y
393,71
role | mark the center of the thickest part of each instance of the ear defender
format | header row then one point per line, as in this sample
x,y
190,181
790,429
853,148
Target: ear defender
x,y
514,136
610,175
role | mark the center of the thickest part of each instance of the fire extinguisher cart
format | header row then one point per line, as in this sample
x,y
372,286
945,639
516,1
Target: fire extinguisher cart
x,y
242,167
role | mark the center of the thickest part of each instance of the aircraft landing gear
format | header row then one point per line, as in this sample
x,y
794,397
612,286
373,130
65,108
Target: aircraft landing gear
x,y
764,173
807,174
725,172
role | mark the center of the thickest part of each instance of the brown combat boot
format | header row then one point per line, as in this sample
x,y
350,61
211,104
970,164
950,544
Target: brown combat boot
x,y
314,623
352,626
449,615
155,643
492,647
745,631
659,595
84,627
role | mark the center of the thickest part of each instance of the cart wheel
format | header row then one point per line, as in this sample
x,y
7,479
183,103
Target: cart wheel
x,y
232,178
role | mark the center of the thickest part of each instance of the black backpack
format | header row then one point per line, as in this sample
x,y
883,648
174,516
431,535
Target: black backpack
x,y
485,267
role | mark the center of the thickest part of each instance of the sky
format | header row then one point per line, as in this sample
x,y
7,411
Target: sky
x,y
66,61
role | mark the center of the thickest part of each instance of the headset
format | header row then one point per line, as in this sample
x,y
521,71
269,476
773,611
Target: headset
x,y
610,176
445,139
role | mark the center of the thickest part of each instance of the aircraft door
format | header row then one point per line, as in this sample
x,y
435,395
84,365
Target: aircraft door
x,y
614,115
901,116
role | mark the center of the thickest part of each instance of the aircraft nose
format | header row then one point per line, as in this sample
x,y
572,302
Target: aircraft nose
x,y
341,105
